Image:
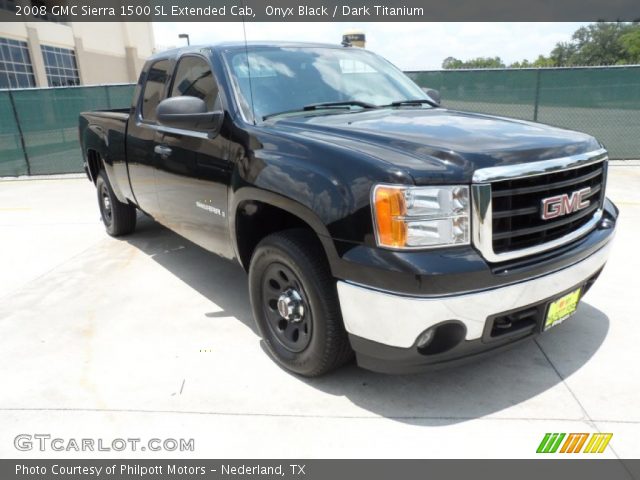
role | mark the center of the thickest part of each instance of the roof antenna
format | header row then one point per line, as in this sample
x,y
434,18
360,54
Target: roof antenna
x,y
246,52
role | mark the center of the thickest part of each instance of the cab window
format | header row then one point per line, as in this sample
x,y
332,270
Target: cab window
x,y
194,78
154,89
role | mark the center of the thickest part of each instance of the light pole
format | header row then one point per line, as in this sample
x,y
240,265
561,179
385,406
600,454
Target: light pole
x,y
185,35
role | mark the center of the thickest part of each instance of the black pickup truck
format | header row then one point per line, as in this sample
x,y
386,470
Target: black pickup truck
x,y
369,218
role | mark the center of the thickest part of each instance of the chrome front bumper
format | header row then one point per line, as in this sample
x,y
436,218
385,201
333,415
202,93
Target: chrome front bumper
x,y
397,320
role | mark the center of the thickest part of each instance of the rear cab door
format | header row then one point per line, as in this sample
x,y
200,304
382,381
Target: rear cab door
x,y
194,168
142,136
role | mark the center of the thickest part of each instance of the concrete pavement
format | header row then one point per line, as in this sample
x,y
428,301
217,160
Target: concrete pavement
x,y
150,336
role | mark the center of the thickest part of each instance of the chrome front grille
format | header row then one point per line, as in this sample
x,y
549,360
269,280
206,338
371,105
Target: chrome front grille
x,y
507,204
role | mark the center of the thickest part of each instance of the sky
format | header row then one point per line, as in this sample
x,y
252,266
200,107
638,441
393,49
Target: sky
x,y
410,46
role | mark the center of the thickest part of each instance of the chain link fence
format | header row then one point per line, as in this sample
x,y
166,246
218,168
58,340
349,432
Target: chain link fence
x,y
601,101
39,127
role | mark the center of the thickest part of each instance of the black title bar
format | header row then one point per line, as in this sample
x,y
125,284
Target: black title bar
x,y
323,10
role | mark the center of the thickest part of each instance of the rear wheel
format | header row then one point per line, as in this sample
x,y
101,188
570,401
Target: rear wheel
x,y
295,304
118,218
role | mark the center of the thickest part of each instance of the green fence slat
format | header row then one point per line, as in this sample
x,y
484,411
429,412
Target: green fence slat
x,y
509,93
12,161
49,122
121,96
604,102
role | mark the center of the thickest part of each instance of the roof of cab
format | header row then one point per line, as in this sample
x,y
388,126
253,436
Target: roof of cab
x,y
174,52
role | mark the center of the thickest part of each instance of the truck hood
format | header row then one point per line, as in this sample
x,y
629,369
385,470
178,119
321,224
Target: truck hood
x,y
433,144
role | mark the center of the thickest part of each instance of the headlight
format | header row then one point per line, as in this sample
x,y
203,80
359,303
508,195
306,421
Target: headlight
x,y
421,217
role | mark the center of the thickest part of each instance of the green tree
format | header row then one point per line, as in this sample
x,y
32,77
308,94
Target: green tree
x,y
600,43
539,62
480,62
542,62
523,64
631,43
562,54
451,63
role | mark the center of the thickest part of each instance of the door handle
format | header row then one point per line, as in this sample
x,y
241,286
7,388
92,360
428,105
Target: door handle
x,y
162,150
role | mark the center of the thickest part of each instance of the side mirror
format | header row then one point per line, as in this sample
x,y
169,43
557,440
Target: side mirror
x,y
433,95
189,113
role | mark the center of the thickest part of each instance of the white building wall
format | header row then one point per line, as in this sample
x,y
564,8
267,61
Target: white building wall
x,y
106,52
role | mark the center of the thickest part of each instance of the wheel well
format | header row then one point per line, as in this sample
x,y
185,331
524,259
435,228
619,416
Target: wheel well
x,y
255,220
94,162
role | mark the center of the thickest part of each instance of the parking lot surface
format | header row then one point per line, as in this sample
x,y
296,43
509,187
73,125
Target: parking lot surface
x,y
149,336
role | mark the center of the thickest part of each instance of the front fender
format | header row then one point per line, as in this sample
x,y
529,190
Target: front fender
x,y
251,193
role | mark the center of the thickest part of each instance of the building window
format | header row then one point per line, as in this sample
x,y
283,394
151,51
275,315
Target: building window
x,y
60,66
15,65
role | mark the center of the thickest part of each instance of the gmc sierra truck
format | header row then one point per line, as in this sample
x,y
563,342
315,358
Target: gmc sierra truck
x,y
369,218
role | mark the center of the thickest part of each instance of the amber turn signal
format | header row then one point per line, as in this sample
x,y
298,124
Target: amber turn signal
x,y
390,208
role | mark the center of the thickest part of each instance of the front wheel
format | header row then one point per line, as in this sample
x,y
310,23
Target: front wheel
x,y
118,218
295,304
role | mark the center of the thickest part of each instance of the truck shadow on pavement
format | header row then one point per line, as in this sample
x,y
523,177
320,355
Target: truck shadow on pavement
x,y
436,398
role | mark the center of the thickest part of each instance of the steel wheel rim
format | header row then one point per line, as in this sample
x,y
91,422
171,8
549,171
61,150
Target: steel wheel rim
x,y
292,333
105,205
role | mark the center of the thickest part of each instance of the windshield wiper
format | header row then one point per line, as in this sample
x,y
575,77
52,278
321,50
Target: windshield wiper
x,y
346,103
325,105
417,101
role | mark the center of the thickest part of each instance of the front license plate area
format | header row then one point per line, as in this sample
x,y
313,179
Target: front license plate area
x,y
562,308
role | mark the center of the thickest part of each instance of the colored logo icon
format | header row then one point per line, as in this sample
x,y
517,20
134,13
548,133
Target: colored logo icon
x,y
574,443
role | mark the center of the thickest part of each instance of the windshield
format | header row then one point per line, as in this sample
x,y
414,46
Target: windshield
x,y
288,79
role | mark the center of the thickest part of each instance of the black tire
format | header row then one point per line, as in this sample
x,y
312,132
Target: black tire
x,y
295,262
118,218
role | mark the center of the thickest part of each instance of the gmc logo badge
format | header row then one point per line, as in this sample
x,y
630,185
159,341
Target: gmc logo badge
x,y
564,204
